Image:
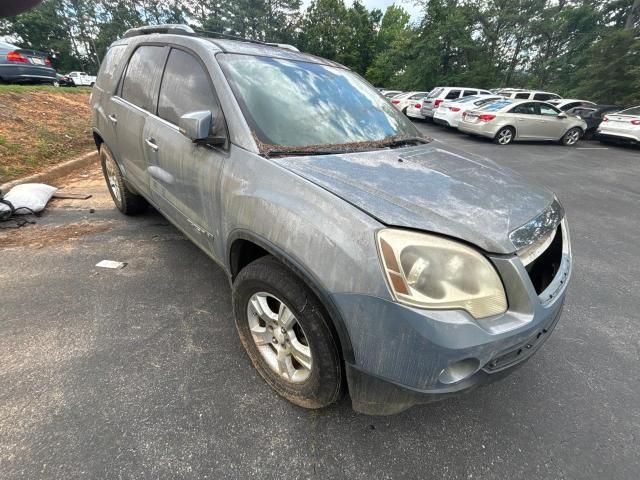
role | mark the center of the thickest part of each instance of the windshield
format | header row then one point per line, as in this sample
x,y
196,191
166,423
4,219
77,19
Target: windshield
x,y
301,104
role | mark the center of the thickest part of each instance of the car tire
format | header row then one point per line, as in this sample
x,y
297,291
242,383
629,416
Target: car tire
x,y
504,136
125,200
571,137
56,84
297,354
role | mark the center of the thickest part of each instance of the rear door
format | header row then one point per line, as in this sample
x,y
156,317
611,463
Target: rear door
x,y
185,175
524,117
128,110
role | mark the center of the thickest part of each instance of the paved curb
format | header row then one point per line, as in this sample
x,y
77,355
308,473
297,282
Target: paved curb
x,y
55,172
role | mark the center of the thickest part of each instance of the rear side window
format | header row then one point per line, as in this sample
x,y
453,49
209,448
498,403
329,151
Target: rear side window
x,y
522,96
435,92
544,96
468,93
453,94
110,63
185,88
142,76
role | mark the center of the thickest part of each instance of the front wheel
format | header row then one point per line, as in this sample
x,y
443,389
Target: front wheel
x,y
571,137
286,334
504,136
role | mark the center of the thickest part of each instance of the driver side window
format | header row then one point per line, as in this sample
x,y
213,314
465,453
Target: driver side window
x,y
186,87
548,110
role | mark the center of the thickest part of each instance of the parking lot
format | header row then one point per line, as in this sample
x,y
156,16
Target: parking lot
x,y
139,373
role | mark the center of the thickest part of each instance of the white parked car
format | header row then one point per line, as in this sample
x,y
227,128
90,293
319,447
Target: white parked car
x,y
450,113
624,125
529,94
569,103
82,78
403,100
390,93
441,94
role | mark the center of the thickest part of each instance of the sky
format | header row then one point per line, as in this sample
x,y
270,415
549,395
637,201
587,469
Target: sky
x,y
408,5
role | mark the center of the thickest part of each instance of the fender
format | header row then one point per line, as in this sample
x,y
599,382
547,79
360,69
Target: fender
x,y
308,277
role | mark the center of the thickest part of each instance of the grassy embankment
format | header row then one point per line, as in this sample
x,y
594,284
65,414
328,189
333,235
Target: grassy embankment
x,y
41,126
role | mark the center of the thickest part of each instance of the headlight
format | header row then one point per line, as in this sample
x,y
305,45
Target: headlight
x,y
428,271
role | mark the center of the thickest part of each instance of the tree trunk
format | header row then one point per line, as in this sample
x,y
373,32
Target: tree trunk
x,y
631,18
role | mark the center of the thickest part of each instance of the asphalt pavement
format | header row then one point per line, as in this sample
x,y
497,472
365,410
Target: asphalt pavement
x,y
139,373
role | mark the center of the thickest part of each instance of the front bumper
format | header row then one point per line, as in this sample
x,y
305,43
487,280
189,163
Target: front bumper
x,y
401,352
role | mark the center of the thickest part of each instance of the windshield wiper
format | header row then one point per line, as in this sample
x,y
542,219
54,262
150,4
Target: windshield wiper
x,y
398,142
304,152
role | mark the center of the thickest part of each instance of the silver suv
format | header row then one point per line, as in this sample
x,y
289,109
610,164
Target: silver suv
x,y
360,255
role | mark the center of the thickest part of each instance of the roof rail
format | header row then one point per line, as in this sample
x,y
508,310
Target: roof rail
x,y
242,39
174,28
181,29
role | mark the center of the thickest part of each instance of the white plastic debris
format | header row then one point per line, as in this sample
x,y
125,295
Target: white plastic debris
x,y
28,198
110,264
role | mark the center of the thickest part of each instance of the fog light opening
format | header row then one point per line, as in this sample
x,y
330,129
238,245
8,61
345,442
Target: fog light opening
x,y
458,371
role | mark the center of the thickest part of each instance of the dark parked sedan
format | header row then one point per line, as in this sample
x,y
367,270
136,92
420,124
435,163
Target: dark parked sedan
x,y
64,81
593,116
18,65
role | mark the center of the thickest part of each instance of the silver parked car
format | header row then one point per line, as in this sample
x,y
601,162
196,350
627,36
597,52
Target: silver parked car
x,y
508,120
19,65
358,253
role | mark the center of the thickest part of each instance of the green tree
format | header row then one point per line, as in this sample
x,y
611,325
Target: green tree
x,y
613,74
393,49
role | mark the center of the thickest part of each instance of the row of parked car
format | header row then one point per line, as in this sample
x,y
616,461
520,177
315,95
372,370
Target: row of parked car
x,y
19,65
507,115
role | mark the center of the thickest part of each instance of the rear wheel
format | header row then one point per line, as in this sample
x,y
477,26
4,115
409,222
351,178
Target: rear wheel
x,y
504,136
125,200
286,334
571,137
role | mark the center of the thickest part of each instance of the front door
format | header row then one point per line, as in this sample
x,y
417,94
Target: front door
x,y
550,126
184,176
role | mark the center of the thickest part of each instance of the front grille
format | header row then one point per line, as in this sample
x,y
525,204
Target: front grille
x,y
544,268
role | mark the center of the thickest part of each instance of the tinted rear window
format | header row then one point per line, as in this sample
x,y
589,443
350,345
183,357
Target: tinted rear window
x,y
494,107
631,111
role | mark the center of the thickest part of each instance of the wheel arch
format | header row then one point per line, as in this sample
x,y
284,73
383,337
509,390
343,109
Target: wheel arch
x,y
245,246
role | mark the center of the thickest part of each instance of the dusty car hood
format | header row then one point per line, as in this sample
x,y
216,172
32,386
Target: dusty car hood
x,y
428,188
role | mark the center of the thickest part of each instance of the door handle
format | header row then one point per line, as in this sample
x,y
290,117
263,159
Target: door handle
x,y
151,144
113,118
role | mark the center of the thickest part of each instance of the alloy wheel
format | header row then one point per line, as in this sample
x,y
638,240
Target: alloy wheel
x,y
113,179
279,337
572,137
505,136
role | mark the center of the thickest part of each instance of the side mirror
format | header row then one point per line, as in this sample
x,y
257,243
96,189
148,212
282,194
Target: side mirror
x,y
562,115
196,125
